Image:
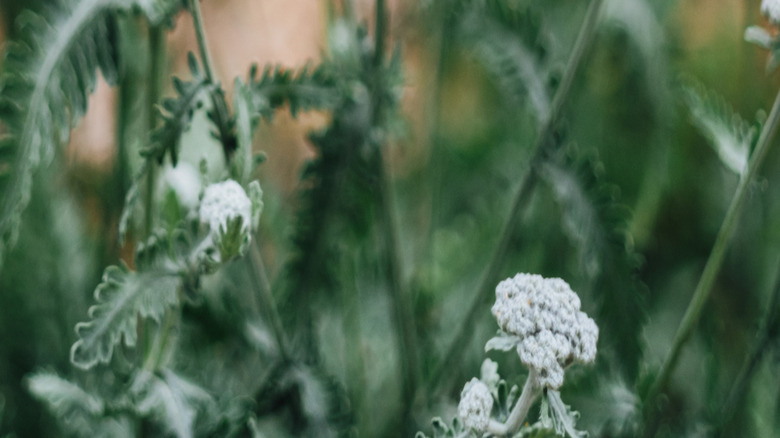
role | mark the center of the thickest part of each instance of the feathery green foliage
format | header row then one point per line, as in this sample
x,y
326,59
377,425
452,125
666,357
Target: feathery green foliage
x,y
596,221
45,82
307,89
728,134
511,45
122,297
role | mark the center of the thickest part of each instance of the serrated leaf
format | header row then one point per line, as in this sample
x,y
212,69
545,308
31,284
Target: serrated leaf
x,y
595,220
61,396
502,341
122,296
492,32
172,399
563,419
728,134
78,410
308,89
45,81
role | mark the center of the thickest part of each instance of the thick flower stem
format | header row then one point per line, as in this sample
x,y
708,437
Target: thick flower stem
x,y
712,267
440,380
531,391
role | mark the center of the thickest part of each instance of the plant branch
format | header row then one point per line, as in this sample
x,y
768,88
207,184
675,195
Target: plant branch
x,y
714,262
543,143
531,391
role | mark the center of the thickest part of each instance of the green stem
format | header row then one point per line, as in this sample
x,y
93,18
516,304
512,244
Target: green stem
x,y
158,353
403,315
154,93
259,276
766,334
714,262
200,34
444,373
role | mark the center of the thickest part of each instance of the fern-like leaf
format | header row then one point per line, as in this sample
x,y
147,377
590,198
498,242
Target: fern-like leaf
x,y
173,399
63,397
727,132
78,410
176,115
45,82
507,43
122,297
306,90
595,221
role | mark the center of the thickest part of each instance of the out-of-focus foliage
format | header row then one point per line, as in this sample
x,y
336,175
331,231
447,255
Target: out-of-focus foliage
x,y
332,319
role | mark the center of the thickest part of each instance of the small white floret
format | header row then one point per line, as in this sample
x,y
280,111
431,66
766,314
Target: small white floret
x,y
224,201
475,406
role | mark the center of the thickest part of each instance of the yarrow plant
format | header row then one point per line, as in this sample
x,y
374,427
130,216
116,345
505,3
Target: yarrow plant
x,y
541,319
324,317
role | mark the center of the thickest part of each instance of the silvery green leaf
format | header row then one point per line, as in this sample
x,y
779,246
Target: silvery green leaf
x,y
728,134
121,297
563,419
80,412
172,399
502,341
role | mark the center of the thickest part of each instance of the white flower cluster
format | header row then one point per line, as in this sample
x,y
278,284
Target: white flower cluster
x,y
771,9
475,405
545,314
223,201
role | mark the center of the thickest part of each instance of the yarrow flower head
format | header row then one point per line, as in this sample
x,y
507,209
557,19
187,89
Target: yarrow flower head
x,y
544,314
771,9
475,405
222,202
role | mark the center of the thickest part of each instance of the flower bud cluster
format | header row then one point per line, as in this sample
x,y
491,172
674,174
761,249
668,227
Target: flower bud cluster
x,y
475,406
222,202
545,315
